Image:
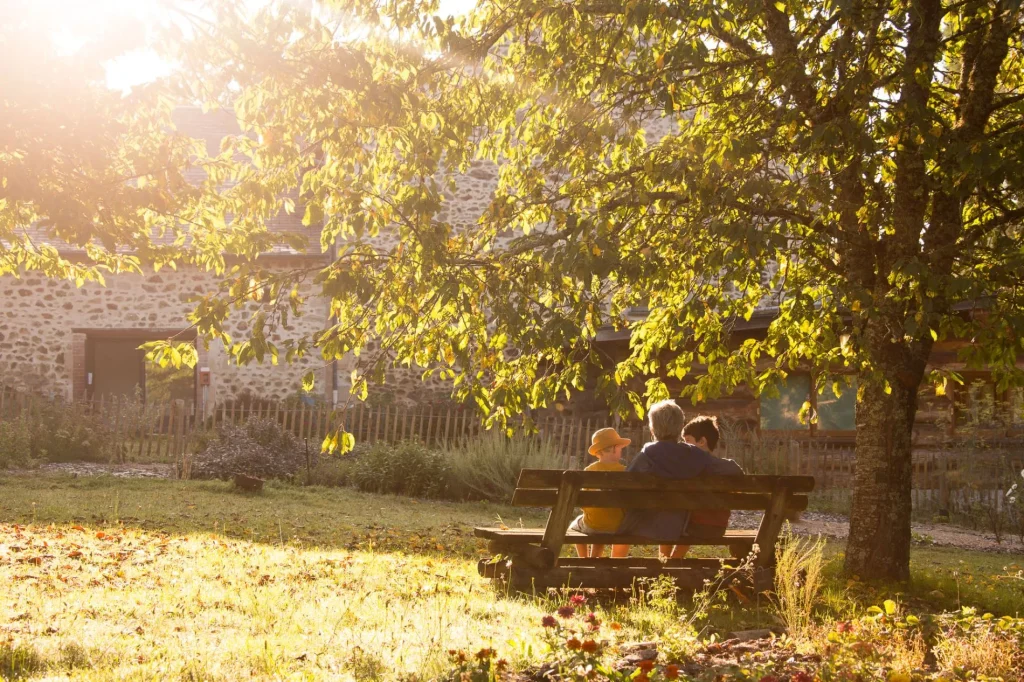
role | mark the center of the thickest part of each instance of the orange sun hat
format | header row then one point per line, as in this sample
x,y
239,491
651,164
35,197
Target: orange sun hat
x,y
606,438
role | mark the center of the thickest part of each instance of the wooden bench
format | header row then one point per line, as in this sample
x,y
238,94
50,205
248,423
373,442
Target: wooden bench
x,y
530,558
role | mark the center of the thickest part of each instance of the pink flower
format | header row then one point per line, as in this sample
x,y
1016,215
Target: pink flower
x,y
548,621
577,600
566,611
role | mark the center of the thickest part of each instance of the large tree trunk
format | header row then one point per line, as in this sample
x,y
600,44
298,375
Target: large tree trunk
x,y
879,544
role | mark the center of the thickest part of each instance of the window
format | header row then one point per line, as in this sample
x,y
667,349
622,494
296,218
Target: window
x,y
835,413
782,412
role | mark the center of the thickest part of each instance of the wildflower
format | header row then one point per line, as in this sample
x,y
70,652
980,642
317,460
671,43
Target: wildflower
x,y
577,600
769,678
566,611
590,646
646,666
548,621
671,672
485,654
615,626
844,626
863,648
573,644
591,618
642,677
501,664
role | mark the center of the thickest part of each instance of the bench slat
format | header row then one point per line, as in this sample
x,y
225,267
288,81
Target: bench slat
x,y
515,536
634,499
615,480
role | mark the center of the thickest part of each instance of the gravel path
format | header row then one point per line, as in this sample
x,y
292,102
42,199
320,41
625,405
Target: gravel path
x,y
96,469
837,526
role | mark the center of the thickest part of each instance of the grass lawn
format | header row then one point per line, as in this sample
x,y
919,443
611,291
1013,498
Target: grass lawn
x,y
104,579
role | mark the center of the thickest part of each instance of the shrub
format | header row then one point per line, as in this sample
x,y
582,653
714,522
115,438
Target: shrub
x,y
18,661
487,466
258,448
408,468
335,471
54,432
15,444
798,580
68,435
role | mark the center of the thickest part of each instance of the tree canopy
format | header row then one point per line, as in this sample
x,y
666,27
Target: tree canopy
x,y
857,165
81,165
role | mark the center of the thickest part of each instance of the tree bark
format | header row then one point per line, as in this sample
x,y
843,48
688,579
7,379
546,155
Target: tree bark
x,y
879,544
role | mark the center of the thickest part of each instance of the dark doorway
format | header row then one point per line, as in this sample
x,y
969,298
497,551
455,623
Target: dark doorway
x,y
116,366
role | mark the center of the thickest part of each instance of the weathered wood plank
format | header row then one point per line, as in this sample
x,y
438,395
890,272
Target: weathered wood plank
x,y
771,525
561,512
643,562
525,578
642,499
514,536
614,480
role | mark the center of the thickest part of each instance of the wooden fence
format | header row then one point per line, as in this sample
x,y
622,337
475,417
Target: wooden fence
x,y
952,477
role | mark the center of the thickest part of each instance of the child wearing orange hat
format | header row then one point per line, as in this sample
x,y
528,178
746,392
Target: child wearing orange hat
x,y
606,445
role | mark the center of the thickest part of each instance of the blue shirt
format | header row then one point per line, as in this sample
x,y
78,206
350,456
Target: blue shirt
x,y
675,460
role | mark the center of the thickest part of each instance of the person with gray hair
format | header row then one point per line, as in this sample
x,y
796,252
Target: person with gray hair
x,y
669,456
666,420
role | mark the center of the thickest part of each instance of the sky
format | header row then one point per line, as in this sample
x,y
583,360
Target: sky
x,y
77,21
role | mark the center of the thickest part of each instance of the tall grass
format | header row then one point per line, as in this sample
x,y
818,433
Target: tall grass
x,y
799,563
487,466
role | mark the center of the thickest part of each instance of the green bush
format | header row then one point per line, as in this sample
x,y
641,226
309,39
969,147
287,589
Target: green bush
x,y
408,468
15,444
334,471
484,467
487,466
54,432
61,434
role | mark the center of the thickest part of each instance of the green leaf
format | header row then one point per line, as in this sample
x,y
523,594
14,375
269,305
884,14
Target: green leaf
x,y
307,382
890,607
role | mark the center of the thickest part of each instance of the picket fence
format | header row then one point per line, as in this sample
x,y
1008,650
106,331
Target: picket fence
x,y
951,477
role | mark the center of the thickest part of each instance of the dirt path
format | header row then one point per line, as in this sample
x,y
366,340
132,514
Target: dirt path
x,y
133,470
925,533
838,527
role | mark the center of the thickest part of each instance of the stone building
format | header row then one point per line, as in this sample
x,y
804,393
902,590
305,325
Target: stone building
x,y
60,340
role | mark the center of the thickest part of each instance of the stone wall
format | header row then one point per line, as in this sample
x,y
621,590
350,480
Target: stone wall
x,y
44,323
